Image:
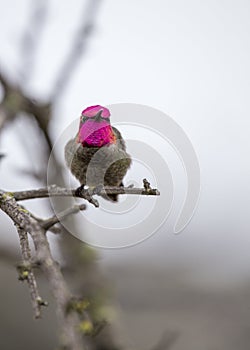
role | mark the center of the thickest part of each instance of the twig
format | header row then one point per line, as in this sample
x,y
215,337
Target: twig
x,y
3,81
47,224
26,273
53,229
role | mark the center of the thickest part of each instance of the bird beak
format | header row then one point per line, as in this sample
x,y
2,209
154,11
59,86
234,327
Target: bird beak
x,y
98,116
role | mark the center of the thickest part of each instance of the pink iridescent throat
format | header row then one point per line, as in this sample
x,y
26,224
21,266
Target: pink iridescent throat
x,y
96,134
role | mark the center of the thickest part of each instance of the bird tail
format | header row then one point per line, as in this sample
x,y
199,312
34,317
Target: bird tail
x,y
112,197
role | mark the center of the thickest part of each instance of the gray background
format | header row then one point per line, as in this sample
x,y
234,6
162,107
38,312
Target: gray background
x,y
190,60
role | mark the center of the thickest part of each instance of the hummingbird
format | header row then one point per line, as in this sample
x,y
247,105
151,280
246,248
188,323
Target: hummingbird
x,y
97,154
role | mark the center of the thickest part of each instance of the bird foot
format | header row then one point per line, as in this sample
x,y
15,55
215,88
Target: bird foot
x,y
80,191
87,194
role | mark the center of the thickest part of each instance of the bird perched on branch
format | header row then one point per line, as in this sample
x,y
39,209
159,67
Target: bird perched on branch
x,y
97,155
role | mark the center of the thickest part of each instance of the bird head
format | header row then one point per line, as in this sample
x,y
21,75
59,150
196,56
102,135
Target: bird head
x,y
95,129
95,114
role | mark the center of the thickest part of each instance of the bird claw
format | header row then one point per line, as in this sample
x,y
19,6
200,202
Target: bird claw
x,y
79,191
87,194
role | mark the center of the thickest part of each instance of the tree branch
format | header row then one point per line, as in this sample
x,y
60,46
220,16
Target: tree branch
x,y
56,191
47,224
26,273
32,36
69,322
37,228
78,47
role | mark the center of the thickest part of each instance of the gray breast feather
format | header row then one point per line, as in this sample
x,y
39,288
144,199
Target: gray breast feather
x,y
92,166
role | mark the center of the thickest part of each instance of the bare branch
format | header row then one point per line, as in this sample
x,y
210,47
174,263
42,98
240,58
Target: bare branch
x,y
17,101
26,273
69,323
47,224
3,80
3,116
31,36
53,229
79,46
56,191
